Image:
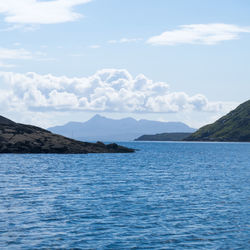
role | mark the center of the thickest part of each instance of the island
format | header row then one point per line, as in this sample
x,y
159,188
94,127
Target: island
x,y
164,137
233,127
21,139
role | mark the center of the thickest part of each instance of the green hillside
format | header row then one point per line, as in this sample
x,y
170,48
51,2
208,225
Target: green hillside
x,y
235,126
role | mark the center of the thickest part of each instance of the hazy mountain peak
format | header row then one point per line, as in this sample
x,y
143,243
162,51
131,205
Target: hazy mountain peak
x,y
128,119
126,129
97,117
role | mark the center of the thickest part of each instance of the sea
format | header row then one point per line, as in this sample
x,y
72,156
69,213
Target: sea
x,y
166,195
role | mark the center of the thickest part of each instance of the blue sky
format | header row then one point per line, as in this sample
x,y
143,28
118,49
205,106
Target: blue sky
x,y
192,58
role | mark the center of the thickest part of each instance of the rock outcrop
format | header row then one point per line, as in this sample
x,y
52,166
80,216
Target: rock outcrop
x,y
20,138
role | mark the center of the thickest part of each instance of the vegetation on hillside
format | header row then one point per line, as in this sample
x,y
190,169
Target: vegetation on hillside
x,y
235,126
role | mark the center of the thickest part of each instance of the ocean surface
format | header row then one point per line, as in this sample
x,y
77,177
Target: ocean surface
x,y
165,196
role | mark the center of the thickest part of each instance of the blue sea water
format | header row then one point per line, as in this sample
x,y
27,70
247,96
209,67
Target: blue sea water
x,y
165,196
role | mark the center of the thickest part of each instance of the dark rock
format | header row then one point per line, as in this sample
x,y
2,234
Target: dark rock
x,y
164,137
20,138
100,143
113,146
5,121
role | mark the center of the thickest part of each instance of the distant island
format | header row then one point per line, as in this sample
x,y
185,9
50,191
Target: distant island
x,y
20,138
126,129
164,137
233,127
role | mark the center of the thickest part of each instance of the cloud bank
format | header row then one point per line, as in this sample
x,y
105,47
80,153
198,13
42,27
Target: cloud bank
x,y
40,12
108,90
208,34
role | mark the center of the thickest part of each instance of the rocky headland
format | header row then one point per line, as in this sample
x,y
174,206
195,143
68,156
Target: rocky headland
x,y
20,139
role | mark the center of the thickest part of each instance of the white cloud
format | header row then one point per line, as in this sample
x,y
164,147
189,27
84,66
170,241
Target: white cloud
x,y
108,90
40,12
21,54
13,54
125,40
95,46
208,34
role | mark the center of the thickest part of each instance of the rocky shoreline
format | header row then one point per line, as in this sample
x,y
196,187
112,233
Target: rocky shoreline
x,y
24,139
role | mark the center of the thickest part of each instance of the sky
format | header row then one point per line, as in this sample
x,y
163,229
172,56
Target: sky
x,y
67,60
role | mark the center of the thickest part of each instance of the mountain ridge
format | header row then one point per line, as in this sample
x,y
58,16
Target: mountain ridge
x,y
125,129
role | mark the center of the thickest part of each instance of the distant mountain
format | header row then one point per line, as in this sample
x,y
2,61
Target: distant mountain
x,y
164,137
21,139
127,129
235,126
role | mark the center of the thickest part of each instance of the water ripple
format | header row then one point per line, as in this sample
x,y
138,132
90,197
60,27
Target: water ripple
x,y
165,196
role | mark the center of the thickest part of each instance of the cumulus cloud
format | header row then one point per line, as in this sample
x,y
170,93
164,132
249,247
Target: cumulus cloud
x,y
208,34
40,12
108,90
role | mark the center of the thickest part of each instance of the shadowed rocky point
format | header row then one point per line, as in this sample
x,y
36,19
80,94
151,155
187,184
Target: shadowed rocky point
x,y
164,137
19,138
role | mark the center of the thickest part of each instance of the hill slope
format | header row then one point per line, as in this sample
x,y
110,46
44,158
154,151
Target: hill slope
x,y
127,129
235,126
20,138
